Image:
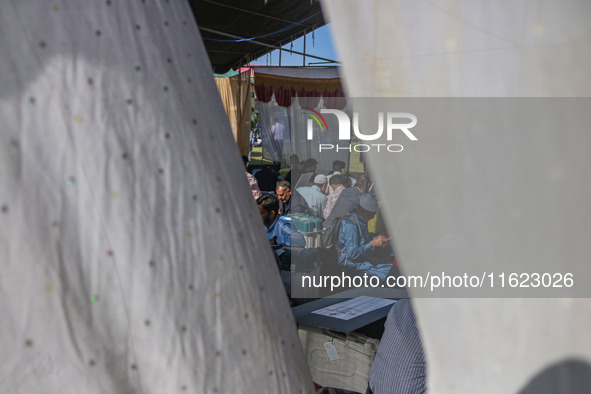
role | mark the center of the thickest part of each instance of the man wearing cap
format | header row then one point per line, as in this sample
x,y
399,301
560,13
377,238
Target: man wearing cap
x,y
314,195
358,250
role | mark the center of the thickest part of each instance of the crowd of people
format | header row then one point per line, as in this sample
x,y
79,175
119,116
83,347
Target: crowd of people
x,y
345,205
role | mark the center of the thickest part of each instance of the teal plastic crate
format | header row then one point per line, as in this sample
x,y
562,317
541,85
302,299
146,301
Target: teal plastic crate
x,y
306,224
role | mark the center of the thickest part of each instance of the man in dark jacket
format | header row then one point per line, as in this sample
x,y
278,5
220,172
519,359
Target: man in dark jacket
x,y
348,200
267,178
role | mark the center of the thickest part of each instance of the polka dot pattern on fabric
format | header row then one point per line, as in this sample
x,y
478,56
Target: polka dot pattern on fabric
x,y
102,89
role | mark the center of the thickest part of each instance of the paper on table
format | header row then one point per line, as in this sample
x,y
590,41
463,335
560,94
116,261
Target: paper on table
x,y
355,307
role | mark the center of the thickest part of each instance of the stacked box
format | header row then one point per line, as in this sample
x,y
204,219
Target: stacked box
x,y
356,353
306,223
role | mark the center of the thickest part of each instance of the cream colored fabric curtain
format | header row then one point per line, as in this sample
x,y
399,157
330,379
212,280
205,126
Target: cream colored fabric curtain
x,y
457,48
237,99
133,257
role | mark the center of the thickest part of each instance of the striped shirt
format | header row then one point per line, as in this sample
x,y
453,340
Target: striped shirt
x,y
331,200
399,366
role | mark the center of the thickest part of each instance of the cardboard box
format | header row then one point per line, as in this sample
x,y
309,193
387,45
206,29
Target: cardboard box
x,y
355,353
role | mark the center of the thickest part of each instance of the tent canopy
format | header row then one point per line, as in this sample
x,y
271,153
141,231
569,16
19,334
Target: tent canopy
x,y
235,32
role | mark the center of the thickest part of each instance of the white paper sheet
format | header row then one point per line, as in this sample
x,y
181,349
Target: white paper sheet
x,y
355,307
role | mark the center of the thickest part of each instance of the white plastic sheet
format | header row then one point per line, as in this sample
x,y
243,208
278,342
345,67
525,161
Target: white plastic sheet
x,y
287,112
133,256
295,119
486,49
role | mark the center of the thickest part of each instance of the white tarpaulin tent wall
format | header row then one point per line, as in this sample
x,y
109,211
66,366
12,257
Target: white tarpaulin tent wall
x,y
290,96
486,49
133,256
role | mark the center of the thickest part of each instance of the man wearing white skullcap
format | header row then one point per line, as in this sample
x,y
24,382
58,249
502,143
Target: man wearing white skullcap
x,y
314,195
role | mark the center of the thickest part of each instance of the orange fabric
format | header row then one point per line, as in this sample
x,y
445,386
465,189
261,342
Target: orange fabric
x,y
236,96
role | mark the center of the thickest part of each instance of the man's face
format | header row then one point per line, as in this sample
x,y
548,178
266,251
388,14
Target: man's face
x,y
364,215
283,194
268,217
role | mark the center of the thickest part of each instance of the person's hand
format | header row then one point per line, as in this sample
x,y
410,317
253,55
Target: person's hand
x,y
380,240
273,241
